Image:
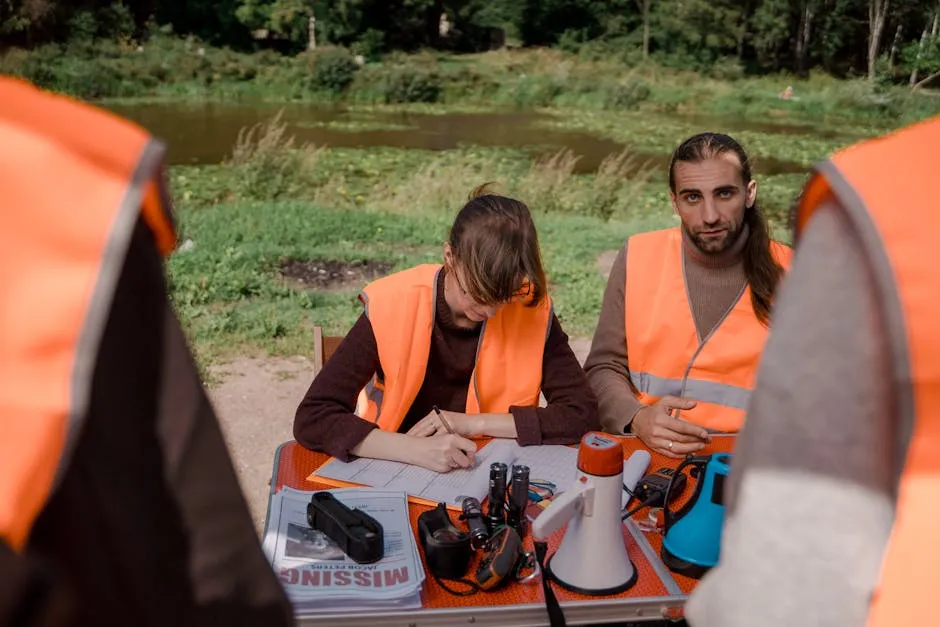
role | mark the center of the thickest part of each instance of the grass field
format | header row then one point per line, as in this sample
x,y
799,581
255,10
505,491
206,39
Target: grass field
x,y
275,202
248,220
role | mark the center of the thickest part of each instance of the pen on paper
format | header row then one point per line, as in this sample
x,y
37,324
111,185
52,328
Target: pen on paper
x,y
437,410
444,422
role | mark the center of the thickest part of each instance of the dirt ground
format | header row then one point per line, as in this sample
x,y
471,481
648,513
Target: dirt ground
x,y
329,274
255,400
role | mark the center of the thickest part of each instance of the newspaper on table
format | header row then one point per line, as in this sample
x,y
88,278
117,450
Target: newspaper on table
x,y
315,572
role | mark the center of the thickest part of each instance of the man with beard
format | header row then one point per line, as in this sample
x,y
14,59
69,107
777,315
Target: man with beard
x,y
686,310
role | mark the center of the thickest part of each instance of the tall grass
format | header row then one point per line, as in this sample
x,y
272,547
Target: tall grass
x,y
547,179
268,164
436,188
616,190
619,184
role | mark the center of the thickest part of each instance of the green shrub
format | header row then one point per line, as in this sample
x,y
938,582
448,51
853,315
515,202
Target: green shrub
x,y
535,91
370,45
83,26
333,70
39,65
116,22
50,68
726,69
572,39
629,94
407,84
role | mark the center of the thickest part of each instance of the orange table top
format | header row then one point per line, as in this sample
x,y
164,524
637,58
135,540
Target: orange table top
x,y
657,592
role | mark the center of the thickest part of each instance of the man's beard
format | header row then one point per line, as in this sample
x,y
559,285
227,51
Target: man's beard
x,y
714,246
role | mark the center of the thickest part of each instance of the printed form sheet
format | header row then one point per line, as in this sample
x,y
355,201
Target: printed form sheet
x,y
557,464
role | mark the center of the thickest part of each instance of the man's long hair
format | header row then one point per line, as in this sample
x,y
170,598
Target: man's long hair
x,y
762,270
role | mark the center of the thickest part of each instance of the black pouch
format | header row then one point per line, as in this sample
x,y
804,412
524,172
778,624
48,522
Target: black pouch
x,y
446,548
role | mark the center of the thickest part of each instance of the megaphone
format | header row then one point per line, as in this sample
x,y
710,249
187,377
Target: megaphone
x,y
592,558
692,540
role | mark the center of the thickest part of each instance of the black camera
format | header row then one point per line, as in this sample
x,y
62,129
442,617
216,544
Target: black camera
x,y
476,521
446,547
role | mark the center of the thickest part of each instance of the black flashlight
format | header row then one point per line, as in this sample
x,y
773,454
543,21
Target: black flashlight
x,y
497,497
518,498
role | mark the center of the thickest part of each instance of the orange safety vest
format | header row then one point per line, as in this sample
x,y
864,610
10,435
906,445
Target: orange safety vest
x,y
665,353
74,180
401,309
885,186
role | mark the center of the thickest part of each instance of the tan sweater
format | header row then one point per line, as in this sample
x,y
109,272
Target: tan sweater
x,y
714,283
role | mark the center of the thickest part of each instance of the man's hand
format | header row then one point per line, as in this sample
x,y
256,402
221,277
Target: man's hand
x,y
442,453
462,424
667,435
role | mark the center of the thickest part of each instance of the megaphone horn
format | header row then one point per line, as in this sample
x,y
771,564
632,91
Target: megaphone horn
x,y
592,558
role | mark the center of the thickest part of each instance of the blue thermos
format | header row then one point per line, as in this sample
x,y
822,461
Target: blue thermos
x,y
692,541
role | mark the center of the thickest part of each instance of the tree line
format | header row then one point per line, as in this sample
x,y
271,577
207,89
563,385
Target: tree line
x,y
890,40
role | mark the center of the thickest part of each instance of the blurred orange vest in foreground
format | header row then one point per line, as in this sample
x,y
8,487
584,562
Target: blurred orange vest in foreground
x,y
885,186
65,230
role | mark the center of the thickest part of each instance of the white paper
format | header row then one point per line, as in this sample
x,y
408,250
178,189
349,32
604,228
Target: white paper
x,y
315,572
554,463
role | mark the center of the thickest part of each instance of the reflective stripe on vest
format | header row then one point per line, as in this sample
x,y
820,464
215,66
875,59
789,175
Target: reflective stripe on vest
x,y
666,355
401,308
75,179
885,186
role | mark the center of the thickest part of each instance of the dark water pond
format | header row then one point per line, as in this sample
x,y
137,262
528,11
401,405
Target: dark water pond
x,y
205,132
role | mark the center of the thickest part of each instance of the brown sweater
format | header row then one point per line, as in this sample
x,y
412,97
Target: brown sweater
x,y
714,283
325,420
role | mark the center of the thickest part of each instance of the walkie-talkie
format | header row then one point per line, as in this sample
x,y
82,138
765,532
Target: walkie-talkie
x,y
654,485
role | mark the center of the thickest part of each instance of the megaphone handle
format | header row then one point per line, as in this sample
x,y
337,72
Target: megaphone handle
x,y
559,511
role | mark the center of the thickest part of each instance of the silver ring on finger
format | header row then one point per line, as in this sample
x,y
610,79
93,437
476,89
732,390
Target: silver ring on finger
x,y
670,445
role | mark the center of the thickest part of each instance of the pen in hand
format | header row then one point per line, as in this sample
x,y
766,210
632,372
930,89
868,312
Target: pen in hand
x,y
437,410
450,430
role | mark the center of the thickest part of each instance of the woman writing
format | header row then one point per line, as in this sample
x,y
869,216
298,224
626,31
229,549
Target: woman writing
x,y
445,352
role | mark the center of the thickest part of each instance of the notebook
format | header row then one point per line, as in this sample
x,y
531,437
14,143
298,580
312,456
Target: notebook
x,y
553,463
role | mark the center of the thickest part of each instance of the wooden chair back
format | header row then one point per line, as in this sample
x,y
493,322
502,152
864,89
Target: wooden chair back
x,y
323,348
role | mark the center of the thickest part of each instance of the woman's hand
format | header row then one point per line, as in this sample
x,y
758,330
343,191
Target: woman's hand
x,y
664,434
462,424
442,452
